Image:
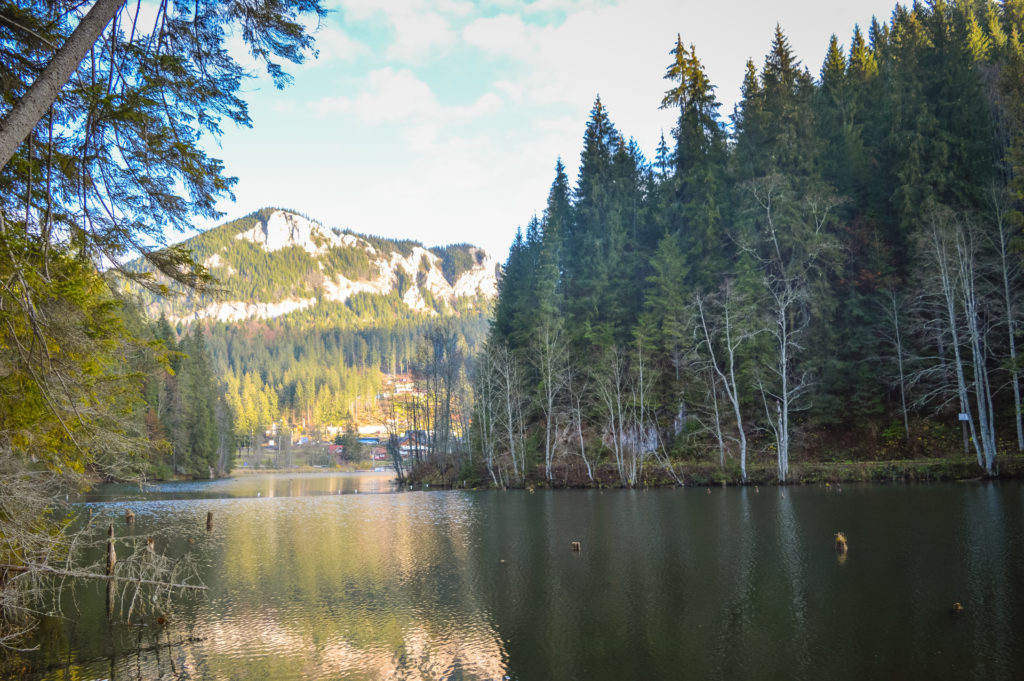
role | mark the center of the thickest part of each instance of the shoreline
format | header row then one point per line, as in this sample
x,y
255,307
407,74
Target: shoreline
x,y
704,474
697,474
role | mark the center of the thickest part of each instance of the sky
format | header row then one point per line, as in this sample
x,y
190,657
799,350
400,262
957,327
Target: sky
x,y
441,120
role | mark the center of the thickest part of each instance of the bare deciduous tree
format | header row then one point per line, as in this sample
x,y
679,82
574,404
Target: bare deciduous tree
x,y
722,339
550,360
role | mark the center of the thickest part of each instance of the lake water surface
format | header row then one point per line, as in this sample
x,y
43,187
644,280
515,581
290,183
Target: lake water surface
x,y
337,576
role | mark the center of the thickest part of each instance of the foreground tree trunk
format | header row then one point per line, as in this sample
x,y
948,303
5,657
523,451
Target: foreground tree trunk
x,y
43,92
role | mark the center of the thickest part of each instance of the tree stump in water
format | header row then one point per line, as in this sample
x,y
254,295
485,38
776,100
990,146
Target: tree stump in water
x,y
209,521
111,562
129,517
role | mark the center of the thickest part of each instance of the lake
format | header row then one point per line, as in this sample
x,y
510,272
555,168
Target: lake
x,y
338,576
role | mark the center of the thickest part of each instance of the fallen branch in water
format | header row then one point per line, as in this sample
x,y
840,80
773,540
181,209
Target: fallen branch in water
x,y
83,574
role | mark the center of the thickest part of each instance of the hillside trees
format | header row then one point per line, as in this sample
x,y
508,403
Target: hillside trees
x,y
762,272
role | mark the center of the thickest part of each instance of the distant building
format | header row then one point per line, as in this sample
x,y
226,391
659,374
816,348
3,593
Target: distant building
x,y
414,440
337,452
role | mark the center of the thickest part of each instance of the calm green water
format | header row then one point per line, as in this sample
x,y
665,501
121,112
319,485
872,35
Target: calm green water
x,y
336,577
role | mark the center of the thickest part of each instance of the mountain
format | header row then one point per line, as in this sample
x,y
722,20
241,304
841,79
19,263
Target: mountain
x,y
275,262
309,321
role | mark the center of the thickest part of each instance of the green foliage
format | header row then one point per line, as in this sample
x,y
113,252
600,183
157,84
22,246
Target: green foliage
x,y
353,447
67,398
456,259
351,262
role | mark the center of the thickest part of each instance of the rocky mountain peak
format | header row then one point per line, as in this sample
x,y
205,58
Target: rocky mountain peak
x,y
298,263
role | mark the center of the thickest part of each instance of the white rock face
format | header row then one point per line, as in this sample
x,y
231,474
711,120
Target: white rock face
x,y
284,229
341,289
480,280
216,262
236,311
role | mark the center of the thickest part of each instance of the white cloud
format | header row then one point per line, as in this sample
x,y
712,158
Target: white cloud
x,y
398,95
395,96
502,35
332,43
420,27
324,107
512,91
488,103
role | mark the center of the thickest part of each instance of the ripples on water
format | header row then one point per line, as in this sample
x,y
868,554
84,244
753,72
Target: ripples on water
x,y
326,577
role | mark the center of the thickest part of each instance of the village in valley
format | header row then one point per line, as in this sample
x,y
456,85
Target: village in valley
x,y
360,445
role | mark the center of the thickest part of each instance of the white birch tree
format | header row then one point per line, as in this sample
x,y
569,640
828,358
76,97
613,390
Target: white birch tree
x,y
722,338
794,250
550,361
577,387
948,254
1009,277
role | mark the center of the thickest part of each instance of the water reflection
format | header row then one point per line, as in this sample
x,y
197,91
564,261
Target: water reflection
x,y
306,583
258,485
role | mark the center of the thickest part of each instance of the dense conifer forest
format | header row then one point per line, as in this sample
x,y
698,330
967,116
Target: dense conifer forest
x,y
831,271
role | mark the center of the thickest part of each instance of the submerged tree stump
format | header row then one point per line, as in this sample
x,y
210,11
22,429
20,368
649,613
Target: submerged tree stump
x,y
209,521
129,517
111,562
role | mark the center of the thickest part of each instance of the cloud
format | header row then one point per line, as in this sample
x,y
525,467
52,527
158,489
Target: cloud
x,y
397,95
334,44
488,103
420,28
502,35
323,107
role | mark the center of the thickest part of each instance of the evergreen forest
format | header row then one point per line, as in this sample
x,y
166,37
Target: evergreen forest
x,y
830,272
319,368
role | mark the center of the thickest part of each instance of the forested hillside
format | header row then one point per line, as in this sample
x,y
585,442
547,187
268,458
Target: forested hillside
x,y
304,321
833,271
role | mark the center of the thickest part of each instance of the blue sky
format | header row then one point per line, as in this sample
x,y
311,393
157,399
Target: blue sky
x,y
441,120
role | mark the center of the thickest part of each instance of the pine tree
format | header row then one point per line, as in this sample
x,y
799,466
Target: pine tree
x,y
592,234
556,223
199,396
